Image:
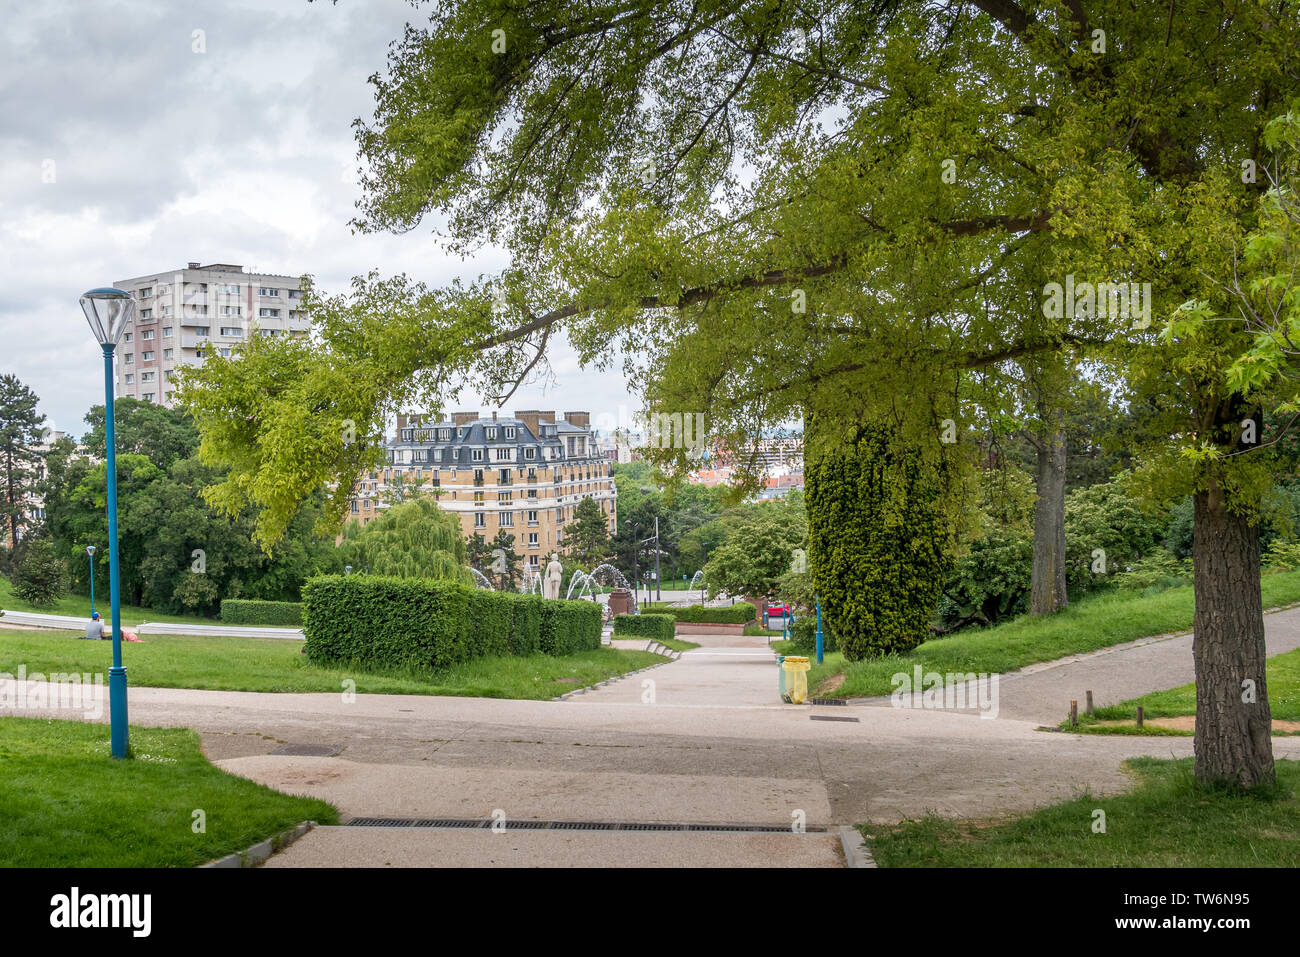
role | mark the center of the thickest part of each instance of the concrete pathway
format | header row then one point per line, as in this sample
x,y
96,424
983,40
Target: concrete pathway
x,y
710,747
74,623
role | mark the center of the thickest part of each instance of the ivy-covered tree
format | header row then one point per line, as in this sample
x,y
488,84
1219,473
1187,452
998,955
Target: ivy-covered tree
x,y
878,542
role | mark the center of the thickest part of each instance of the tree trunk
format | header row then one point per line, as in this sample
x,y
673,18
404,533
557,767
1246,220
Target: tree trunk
x,y
1047,583
1233,721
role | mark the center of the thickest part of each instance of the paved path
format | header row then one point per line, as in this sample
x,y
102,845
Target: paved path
x,y
74,623
713,747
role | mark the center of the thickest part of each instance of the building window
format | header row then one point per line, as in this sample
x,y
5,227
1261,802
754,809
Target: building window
x,y
274,293
130,378
146,313
529,452
146,357
202,330
510,431
532,539
144,292
476,455
127,337
167,353
269,313
506,520
232,331
232,310
130,357
225,353
532,517
491,433
503,497
478,498
480,520
148,376
504,455
167,332
148,396
147,334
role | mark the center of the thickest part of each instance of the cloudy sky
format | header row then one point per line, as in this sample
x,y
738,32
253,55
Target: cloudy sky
x,y
130,143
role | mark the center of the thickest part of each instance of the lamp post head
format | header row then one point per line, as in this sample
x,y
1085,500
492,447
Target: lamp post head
x,y
90,550
108,311
347,569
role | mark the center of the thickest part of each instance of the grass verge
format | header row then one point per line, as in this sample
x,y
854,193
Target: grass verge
x,y
275,664
1283,675
1099,621
66,803
1166,820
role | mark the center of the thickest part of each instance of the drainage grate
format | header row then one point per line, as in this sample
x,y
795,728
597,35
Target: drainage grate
x,y
308,750
480,824
831,717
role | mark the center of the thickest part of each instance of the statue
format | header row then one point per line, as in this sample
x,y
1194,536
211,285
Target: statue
x,y
554,574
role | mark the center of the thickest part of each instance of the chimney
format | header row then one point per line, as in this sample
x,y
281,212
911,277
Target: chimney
x,y
401,424
461,418
581,419
530,418
494,416
193,266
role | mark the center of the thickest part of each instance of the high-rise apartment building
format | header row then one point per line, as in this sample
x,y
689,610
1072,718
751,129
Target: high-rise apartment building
x,y
183,316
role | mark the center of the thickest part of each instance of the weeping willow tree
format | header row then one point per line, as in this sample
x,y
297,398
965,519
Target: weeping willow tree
x,y
412,540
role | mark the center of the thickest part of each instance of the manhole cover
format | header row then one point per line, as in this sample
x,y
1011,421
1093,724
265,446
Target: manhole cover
x,y
308,750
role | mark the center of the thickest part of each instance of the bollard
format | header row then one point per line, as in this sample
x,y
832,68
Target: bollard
x,y
1140,716
1088,706
1074,714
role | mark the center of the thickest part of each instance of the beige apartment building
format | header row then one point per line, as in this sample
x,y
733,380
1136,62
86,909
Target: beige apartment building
x,y
182,316
524,475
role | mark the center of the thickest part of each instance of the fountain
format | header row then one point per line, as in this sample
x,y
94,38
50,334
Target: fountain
x,y
581,581
480,579
695,580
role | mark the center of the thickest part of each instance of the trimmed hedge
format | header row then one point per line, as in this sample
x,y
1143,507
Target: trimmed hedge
x,y
658,627
242,611
423,623
741,613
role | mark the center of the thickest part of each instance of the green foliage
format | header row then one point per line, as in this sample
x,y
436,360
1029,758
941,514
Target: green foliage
x,y
803,635
878,543
162,435
991,581
1106,517
658,627
237,611
413,540
1284,555
420,624
1154,572
20,434
762,545
39,576
737,614
586,539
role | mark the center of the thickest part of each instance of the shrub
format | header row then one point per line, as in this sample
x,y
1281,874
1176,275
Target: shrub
x,y
417,623
740,613
243,611
658,627
803,634
570,625
1283,555
992,580
1156,572
1105,517
39,577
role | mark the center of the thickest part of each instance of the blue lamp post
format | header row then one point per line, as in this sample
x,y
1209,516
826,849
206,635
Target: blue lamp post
x,y
109,311
819,631
90,550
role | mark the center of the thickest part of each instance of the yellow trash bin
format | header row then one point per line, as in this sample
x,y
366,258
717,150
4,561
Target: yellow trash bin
x,y
795,668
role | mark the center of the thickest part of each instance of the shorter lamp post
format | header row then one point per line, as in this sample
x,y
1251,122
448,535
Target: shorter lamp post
x,y
109,311
90,550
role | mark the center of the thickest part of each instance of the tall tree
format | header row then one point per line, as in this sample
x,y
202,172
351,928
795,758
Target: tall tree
x,y
587,540
837,209
161,434
20,435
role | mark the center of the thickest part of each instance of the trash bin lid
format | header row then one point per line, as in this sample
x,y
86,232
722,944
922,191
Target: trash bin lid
x,y
797,659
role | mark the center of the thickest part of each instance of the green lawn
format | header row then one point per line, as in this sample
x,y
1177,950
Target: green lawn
x,y
676,644
275,664
79,605
65,803
1283,672
1166,820
1106,619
